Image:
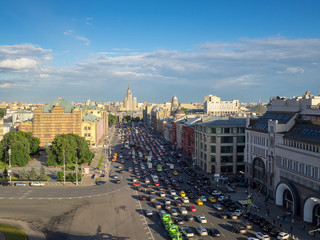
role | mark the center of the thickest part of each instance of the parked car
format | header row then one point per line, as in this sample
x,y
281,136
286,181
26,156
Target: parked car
x,y
20,184
186,231
202,231
188,218
183,210
37,184
283,236
261,236
201,219
97,182
149,212
217,207
214,232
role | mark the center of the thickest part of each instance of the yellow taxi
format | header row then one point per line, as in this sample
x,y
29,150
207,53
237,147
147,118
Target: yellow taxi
x,y
182,194
199,202
175,173
212,199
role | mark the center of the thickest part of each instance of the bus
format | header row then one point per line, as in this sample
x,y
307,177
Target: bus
x,y
114,157
159,168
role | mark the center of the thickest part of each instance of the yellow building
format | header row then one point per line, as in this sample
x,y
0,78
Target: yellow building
x,y
57,117
88,129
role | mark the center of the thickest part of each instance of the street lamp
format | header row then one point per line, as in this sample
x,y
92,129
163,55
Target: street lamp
x,y
64,167
9,171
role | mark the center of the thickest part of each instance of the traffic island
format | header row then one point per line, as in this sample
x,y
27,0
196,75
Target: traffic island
x,y
12,233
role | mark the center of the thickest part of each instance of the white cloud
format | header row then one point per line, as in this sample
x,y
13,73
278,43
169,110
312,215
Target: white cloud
x,y
43,75
122,49
20,63
292,70
5,85
72,34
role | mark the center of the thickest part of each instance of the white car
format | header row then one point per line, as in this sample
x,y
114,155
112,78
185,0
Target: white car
x,y
162,194
203,198
262,236
187,232
216,193
149,212
174,212
218,207
36,184
185,200
167,201
147,180
173,192
201,219
202,231
283,236
222,197
183,210
175,197
252,238
238,212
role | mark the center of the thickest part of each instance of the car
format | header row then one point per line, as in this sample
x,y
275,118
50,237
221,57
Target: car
x,y
136,184
247,224
173,192
156,184
221,198
239,228
252,238
183,210
177,203
179,220
167,206
233,208
157,205
134,179
186,231
237,212
192,208
212,199
20,184
40,184
268,227
161,212
185,200
175,173
261,236
97,182
151,199
217,207
121,171
201,219
258,220
167,201
115,176
182,194
231,215
223,215
275,232
216,193
147,180
203,198
162,194
188,218
198,202
5,183
149,212
175,197
142,197
283,236
174,212
202,231
214,232
152,191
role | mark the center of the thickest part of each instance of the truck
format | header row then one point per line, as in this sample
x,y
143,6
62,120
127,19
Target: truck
x,y
159,168
172,228
149,165
171,166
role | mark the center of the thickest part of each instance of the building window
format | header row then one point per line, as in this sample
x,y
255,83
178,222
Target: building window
x,y
240,149
293,166
306,169
213,130
89,135
226,149
240,139
85,128
213,149
213,139
313,172
282,162
299,167
226,130
226,139
319,173
89,128
226,159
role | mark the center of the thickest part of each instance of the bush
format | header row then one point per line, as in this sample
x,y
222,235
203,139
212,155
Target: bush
x,y
70,177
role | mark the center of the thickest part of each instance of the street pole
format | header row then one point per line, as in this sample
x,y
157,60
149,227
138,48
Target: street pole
x,y
77,171
64,167
9,151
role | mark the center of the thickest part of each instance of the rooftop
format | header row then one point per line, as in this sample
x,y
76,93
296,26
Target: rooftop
x,y
304,132
262,122
224,121
66,105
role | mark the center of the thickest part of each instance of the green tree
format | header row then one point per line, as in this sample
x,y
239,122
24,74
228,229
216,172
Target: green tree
x,y
69,148
3,112
21,144
43,174
127,118
23,175
185,110
112,119
32,176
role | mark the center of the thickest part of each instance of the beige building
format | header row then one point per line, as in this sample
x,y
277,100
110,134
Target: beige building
x,y
57,117
129,103
214,106
1,129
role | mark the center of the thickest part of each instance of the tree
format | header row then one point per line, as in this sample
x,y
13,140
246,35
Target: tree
x,y
112,119
43,175
21,144
32,176
127,118
23,175
69,148
185,110
3,112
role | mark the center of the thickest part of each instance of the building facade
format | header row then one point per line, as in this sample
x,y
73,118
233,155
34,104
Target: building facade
x,y
129,103
1,129
219,145
283,152
214,106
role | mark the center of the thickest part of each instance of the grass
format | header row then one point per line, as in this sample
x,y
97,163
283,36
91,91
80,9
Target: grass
x,y
100,162
13,233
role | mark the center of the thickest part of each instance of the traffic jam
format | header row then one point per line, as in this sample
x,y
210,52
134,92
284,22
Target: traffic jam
x,y
181,201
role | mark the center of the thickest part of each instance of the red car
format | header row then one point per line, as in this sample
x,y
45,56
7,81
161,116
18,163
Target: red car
x,y
192,209
156,184
137,184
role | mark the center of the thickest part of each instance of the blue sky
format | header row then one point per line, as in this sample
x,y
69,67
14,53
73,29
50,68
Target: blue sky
x,y
82,50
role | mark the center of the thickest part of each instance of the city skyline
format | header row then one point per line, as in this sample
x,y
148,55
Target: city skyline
x,y
236,50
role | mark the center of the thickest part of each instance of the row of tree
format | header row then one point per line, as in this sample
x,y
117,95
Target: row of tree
x,y
32,175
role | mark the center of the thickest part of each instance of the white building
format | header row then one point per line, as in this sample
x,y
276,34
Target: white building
x,y
282,154
214,106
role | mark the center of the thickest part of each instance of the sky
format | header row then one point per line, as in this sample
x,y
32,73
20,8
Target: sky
x,y
79,50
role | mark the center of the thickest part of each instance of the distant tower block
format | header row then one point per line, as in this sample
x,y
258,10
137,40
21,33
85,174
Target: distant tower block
x,y
174,104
